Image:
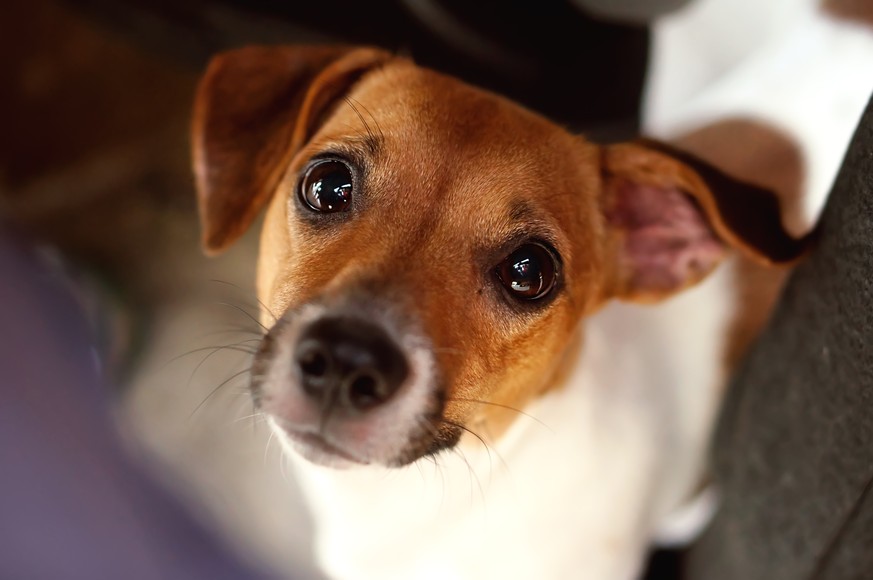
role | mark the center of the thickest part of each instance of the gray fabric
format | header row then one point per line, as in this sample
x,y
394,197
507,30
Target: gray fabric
x,y
72,503
794,449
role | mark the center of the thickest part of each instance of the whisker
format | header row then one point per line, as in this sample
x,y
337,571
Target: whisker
x,y
471,472
472,475
232,347
498,405
367,128
247,314
215,390
257,415
373,117
244,397
283,466
488,448
417,464
232,285
432,429
464,428
439,469
234,330
255,411
267,447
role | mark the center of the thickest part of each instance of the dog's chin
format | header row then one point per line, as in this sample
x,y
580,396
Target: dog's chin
x,y
315,448
319,450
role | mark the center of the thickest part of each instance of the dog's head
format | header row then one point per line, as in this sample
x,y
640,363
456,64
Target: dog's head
x,y
430,248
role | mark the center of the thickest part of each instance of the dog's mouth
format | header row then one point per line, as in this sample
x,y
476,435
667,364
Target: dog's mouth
x,y
320,450
307,379
339,448
317,449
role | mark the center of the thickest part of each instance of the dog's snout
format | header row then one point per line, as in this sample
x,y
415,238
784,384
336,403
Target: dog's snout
x,y
349,363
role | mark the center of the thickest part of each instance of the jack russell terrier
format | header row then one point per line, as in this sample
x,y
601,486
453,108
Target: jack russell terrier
x,y
496,349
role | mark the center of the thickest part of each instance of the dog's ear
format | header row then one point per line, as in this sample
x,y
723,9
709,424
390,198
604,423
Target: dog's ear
x,y
672,218
254,108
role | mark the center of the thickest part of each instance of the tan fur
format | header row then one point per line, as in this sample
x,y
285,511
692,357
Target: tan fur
x,y
857,10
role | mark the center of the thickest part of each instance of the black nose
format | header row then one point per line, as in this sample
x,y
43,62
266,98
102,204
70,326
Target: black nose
x,y
349,363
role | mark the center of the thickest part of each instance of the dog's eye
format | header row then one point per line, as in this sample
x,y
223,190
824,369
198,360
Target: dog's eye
x,y
530,272
327,186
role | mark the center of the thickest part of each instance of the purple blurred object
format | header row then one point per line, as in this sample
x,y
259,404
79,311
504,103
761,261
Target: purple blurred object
x,y
72,503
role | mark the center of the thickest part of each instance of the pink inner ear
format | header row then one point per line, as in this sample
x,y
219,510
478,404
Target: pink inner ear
x,y
668,241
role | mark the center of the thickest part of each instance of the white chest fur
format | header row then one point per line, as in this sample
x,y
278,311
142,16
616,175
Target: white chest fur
x,y
576,492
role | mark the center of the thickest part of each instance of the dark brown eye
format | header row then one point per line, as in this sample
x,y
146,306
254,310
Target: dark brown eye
x,y
529,273
327,186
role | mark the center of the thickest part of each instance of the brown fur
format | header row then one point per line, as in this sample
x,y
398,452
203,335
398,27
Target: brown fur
x,y
454,177
858,10
764,156
440,219
244,145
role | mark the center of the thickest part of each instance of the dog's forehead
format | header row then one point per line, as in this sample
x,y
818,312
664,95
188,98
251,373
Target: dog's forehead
x,y
486,163
445,120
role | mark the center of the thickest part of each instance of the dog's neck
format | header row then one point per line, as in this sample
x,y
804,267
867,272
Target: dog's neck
x,y
586,474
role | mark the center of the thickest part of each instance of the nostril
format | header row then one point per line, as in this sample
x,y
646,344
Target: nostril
x,y
366,390
349,363
313,363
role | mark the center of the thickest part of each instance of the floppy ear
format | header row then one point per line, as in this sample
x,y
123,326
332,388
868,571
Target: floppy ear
x,y
672,218
254,108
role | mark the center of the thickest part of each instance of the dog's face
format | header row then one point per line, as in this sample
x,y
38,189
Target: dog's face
x,y
429,249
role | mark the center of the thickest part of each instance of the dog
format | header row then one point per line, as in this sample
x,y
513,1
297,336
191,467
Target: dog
x,y
495,348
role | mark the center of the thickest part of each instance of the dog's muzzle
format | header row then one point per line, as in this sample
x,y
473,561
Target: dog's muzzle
x,y
351,385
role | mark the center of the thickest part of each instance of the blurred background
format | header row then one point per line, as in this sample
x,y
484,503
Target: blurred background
x,y
95,101
94,167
